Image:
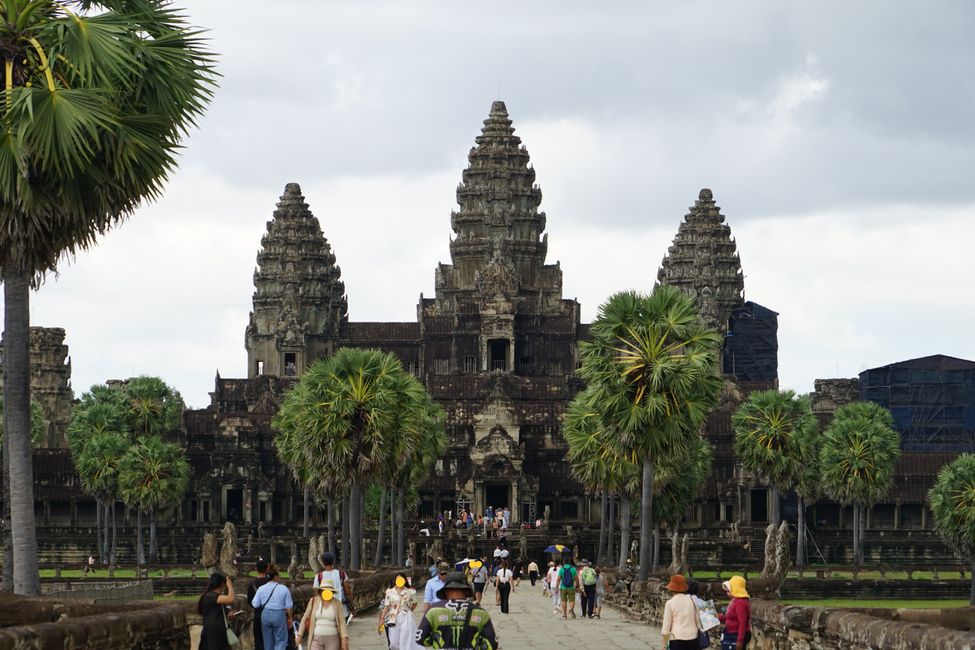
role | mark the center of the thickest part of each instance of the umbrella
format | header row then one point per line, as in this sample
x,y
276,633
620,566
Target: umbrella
x,y
462,564
557,548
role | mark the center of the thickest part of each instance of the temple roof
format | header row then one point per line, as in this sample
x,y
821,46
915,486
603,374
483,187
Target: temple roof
x,y
703,261
296,278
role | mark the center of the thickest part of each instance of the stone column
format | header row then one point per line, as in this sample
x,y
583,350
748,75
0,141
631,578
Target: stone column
x,y
248,507
74,512
515,504
897,516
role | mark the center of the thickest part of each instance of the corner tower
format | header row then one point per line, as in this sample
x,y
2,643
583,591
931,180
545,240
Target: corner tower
x,y
703,262
299,296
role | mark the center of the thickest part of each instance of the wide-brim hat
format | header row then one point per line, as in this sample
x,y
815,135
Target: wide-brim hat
x,y
325,584
677,584
455,580
736,586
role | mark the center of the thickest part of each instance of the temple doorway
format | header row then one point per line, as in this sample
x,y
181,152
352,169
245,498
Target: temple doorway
x,y
235,505
497,495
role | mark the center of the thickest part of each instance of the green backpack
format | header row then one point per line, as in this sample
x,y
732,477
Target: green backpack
x,y
589,576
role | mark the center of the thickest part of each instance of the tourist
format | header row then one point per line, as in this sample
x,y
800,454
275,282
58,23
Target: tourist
x,y
516,573
479,579
277,610
396,614
324,621
343,589
737,618
705,612
497,558
568,575
434,585
261,567
680,627
552,579
587,581
600,591
210,608
455,622
532,572
504,585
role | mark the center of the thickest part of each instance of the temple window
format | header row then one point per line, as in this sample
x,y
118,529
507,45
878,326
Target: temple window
x,y
470,365
413,367
498,354
290,364
441,366
260,368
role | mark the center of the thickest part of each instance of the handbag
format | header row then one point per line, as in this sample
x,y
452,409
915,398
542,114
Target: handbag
x,y
703,640
232,640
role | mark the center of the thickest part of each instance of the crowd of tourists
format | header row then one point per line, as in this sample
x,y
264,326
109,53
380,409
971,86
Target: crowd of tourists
x,y
453,614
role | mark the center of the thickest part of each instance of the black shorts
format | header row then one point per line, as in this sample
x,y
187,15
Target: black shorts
x,y
479,587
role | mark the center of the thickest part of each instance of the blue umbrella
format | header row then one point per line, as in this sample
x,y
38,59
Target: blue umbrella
x,y
557,548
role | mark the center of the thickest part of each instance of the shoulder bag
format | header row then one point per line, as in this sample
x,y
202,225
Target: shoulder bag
x,y
232,639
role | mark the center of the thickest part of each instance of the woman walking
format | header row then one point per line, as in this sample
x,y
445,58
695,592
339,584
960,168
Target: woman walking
x,y
552,577
680,626
323,622
396,614
737,618
210,607
505,578
277,616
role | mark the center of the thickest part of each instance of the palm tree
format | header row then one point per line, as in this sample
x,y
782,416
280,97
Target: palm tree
x,y
153,407
97,98
36,437
952,502
152,477
100,411
98,467
677,484
860,449
651,366
773,437
342,421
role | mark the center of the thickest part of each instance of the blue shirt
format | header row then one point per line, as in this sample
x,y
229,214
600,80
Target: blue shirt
x,y
433,586
279,599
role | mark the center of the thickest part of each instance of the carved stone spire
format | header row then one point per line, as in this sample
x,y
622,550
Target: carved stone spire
x,y
500,245
703,261
299,296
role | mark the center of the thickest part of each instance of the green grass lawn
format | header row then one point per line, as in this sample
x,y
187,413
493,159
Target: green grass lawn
x,y
882,604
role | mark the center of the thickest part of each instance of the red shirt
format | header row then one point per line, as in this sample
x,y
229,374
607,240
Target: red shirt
x,y
738,619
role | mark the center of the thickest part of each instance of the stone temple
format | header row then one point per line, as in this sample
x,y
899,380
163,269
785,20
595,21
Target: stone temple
x,y
497,346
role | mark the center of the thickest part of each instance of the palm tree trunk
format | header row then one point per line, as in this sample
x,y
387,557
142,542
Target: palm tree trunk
x,y
8,545
153,548
393,531
140,552
776,506
114,536
801,536
355,526
346,548
863,534
378,556
624,529
611,543
16,393
103,507
603,515
656,547
304,517
330,516
646,517
400,534
856,535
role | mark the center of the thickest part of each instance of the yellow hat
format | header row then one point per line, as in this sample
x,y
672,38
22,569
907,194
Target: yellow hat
x,y
737,587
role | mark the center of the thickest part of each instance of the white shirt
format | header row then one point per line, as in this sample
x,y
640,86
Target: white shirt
x,y
504,575
553,576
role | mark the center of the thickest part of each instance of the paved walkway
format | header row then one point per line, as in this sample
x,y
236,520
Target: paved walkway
x,y
531,624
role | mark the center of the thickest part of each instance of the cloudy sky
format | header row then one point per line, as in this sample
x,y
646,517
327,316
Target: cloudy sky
x,y
838,138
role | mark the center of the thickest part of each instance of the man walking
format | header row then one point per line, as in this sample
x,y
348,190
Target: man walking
x,y
505,586
533,572
261,567
434,585
453,622
338,577
567,587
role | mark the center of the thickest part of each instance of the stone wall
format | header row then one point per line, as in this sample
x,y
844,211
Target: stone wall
x,y
38,624
782,627
101,593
